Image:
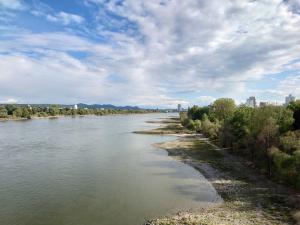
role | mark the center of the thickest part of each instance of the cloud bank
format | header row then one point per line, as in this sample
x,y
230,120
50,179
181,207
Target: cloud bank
x,y
154,53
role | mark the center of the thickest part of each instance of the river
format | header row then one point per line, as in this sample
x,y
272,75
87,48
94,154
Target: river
x,y
92,171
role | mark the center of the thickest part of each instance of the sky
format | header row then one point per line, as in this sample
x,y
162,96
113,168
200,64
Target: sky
x,y
156,53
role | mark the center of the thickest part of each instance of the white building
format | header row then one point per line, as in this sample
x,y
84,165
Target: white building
x,y
75,107
251,102
289,99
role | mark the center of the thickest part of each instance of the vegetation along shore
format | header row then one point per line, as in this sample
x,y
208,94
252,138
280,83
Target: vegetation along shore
x,y
23,112
250,155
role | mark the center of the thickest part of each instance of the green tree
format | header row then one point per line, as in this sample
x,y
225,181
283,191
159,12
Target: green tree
x,y
282,116
222,108
266,139
10,109
197,125
3,112
289,142
26,113
210,129
196,112
295,107
18,112
53,111
240,121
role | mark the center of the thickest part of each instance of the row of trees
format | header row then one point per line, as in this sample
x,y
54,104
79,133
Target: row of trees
x,y
269,135
14,111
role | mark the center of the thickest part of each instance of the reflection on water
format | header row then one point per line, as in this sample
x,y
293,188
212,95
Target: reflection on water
x,y
91,171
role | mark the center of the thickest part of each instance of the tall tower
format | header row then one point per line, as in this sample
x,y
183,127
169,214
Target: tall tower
x,y
179,108
251,102
289,99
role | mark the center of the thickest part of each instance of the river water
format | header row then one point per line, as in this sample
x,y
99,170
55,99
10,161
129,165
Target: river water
x,y
92,171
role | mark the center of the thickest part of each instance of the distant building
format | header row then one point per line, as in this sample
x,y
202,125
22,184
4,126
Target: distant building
x,y
251,102
29,106
289,99
274,103
179,108
75,107
263,104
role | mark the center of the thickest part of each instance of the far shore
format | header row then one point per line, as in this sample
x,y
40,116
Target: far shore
x,y
249,197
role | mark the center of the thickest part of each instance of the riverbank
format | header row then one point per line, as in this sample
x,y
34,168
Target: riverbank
x,y
249,197
168,127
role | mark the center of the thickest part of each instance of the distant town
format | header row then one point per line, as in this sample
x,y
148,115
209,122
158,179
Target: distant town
x,y
252,102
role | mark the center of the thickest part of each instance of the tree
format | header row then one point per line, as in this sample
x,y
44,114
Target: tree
x,y
196,112
26,113
53,110
10,109
210,129
240,121
267,138
3,112
282,116
197,125
289,142
226,134
268,134
18,112
190,124
222,108
295,107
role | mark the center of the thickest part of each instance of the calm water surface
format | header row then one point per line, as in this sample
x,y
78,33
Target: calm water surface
x,y
91,171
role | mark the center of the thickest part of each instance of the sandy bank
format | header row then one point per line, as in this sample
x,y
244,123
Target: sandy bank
x,y
249,198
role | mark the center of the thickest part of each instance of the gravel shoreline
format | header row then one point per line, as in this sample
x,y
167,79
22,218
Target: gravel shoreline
x,y
249,198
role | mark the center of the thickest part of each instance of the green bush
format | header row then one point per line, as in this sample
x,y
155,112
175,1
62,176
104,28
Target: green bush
x,y
197,125
285,166
210,129
289,142
3,112
190,124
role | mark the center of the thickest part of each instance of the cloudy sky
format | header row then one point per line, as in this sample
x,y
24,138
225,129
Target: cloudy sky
x,y
148,53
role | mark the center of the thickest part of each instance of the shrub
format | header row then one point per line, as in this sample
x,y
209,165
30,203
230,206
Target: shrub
x,y
3,112
210,129
190,124
289,142
285,166
197,125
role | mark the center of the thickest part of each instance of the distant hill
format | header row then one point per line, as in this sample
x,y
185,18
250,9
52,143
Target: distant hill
x,y
81,106
106,106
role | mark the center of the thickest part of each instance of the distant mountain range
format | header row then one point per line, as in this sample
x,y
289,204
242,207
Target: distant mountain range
x,y
82,106
106,106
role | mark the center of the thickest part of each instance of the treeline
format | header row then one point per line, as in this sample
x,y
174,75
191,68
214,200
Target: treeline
x,y
269,136
14,112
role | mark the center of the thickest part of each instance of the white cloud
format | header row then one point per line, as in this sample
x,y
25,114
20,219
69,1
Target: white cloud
x,y
205,100
9,101
178,46
290,85
12,4
65,18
